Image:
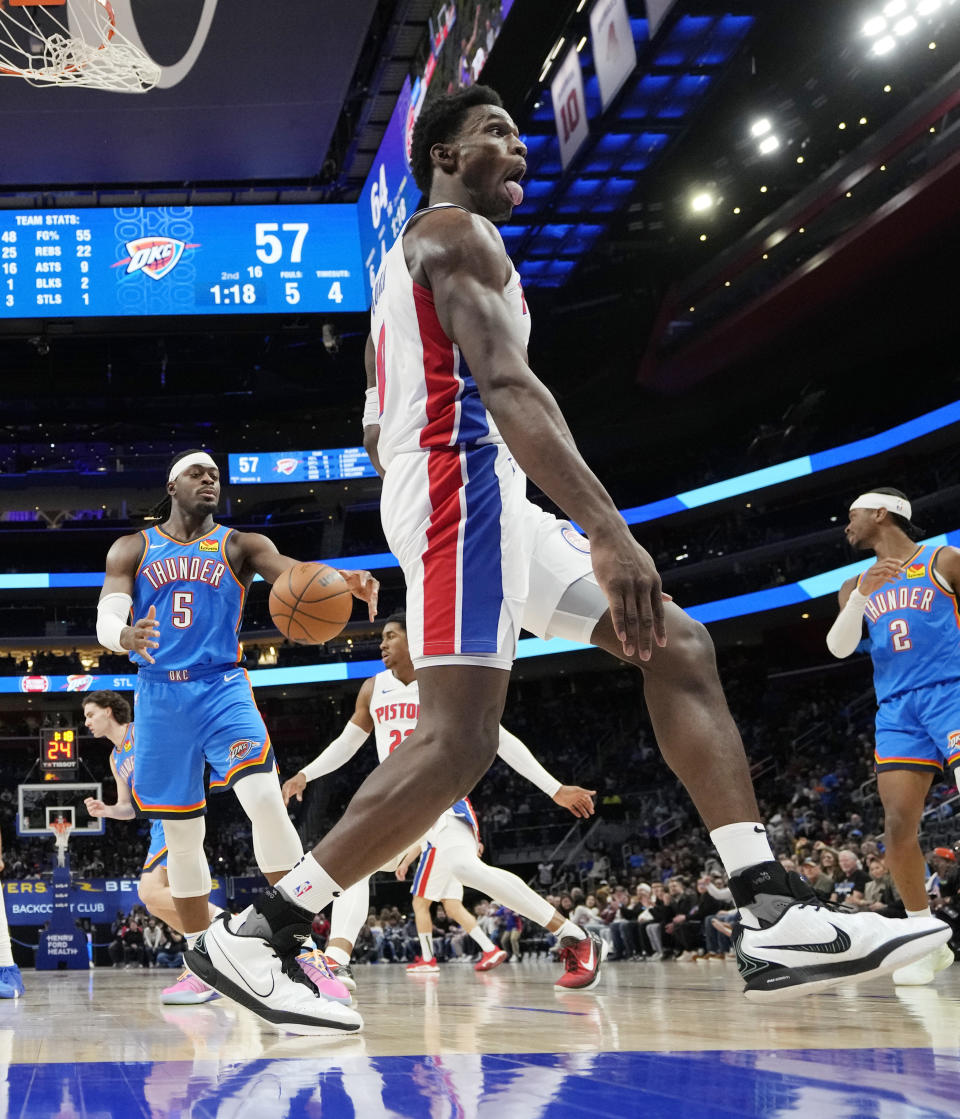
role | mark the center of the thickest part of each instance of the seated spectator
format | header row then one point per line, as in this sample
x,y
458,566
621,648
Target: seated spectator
x,y
152,940
849,885
812,873
366,949
511,926
171,950
624,928
660,912
880,894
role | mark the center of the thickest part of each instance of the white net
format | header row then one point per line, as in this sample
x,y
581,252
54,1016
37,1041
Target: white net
x,y
61,828
77,45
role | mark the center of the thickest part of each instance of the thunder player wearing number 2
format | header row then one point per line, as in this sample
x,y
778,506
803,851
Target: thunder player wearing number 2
x,y
908,599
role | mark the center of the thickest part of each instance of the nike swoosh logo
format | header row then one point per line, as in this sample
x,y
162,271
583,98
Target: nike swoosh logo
x,y
232,676
156,545
840,943
591,959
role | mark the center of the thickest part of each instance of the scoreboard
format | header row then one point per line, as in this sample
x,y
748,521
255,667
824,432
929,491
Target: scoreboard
x,y
58,754
300,466
180,260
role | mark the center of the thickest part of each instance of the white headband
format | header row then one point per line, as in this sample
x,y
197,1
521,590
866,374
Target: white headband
x,y
898,505
198,458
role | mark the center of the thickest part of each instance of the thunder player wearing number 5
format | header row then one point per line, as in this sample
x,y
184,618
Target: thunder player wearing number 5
x,y
908,599
186,580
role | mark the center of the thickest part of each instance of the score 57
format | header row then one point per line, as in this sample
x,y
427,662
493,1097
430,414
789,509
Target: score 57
x,y
269,245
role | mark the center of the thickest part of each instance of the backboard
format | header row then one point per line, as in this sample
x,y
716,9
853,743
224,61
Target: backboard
x,y
38,805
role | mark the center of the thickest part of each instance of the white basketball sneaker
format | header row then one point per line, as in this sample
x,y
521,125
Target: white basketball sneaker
x,y
803,946
251,958
923,970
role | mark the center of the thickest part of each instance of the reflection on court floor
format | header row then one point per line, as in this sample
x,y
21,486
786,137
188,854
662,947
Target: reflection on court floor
x,y
655,1040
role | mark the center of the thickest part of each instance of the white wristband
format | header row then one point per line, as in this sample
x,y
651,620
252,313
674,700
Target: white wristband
x,y
371,407
847,630
113,610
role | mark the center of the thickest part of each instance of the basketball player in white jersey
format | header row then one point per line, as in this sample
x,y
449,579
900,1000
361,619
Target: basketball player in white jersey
x,y
389,705
462,419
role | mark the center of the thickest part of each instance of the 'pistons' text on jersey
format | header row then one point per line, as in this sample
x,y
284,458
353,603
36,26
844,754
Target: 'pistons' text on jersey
x,y
914,627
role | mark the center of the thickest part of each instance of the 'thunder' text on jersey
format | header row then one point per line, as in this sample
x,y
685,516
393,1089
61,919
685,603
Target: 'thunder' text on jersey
x,y
197,598
914,627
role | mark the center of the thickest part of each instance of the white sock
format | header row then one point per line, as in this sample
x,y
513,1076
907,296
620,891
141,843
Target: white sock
x,y
481,938
741,845
6,952
426,946
337,955
191,938
568,929
308,885
919,912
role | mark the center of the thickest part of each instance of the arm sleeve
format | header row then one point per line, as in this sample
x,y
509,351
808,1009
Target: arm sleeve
x,y
371,407
338,753
519,758
113,610
847,630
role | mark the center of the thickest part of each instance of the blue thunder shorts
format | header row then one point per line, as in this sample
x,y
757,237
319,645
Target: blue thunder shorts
x,y
157,853
920,729
182,724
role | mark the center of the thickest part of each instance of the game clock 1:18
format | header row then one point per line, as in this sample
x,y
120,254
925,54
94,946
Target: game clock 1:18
x,y
236,293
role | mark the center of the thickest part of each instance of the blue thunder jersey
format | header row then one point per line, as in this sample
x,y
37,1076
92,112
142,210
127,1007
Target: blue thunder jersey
x,y
123,757
197,597
124,762
914,626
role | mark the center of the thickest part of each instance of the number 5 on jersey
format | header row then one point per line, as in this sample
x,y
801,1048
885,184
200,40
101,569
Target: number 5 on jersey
x,y
182,614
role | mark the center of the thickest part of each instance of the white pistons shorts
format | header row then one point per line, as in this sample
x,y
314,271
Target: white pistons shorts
x,y
434,878
481,561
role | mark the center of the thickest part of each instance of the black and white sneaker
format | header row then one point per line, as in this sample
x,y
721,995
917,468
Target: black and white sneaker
x,y
343,972
803,945
251,958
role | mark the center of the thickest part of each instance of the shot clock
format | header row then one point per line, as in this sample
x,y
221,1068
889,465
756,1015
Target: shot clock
x,y
180,260
58,754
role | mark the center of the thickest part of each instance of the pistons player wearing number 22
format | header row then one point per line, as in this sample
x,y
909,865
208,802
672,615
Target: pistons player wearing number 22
x,y
173,598
908,599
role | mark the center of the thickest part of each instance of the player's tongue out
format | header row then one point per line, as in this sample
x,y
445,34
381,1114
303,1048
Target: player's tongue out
x,y
515,190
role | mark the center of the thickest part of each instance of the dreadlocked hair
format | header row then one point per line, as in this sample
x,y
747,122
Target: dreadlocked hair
x,y
161,511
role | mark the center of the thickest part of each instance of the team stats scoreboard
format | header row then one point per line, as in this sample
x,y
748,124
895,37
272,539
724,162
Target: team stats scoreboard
x,y
180,260
300,466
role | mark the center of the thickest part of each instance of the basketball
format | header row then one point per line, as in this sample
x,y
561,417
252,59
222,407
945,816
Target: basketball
x,y
310,603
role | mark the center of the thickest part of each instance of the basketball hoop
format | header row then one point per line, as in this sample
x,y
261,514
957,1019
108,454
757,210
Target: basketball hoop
x,y
83,49
61,828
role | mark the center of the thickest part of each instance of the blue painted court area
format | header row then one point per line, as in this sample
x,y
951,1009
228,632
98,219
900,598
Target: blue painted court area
x,y
825,1084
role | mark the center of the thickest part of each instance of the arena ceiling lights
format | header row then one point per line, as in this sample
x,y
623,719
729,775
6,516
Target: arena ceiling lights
x,y
566,211
896,22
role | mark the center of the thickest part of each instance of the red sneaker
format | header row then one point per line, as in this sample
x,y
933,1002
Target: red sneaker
x,y
581,962
423,967
490,960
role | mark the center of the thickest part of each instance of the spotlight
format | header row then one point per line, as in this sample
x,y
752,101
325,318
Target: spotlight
x,y
874,26
701,201
884,45
768,144
760,127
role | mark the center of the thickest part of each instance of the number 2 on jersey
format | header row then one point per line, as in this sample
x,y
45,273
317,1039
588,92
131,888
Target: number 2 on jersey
x,y
901,639
397,736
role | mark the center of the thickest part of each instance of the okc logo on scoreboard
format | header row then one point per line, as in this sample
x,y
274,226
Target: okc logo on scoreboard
x,y
79,683
155,256
286,465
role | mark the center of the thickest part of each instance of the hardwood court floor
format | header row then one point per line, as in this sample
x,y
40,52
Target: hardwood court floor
x,y
654,1039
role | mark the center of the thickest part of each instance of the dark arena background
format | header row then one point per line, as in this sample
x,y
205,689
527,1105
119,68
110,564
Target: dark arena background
x,y
738,246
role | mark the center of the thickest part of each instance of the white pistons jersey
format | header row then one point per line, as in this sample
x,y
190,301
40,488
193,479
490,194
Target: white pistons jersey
x,y
394,708
427,396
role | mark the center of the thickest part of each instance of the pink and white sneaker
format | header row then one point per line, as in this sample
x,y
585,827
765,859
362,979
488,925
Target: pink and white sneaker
x,y
490,960
423,967
317,970
187,991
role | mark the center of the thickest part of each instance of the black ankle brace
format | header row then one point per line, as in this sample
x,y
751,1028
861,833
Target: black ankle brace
x,y
770,879
287,923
